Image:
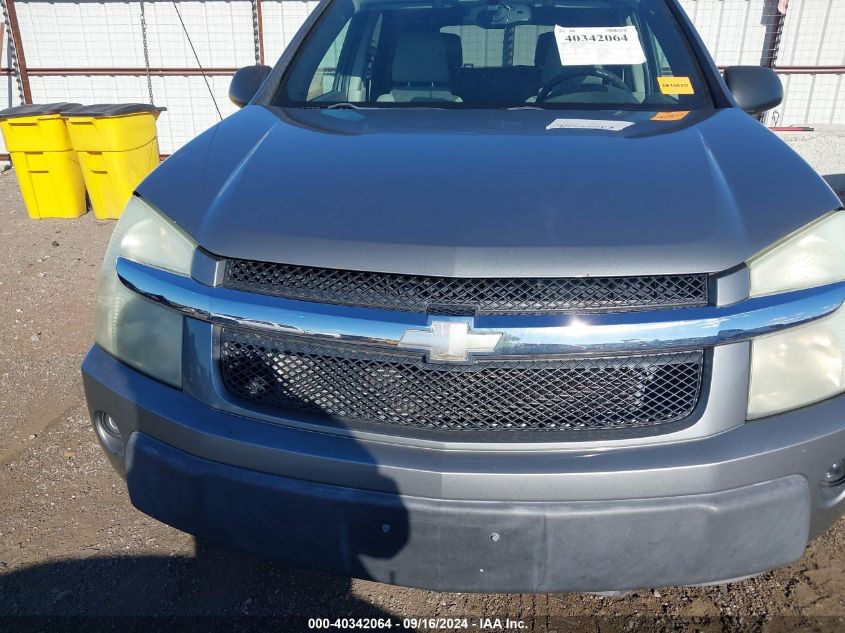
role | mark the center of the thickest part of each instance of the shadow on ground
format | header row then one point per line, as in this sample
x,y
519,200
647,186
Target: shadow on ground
x,y
217,589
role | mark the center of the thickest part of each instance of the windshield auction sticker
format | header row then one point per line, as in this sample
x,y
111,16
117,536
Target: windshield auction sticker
x,y
589,124
670,116
599,46
675,85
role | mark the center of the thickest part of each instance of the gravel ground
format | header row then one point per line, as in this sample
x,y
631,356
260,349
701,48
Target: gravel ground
x,y
72,545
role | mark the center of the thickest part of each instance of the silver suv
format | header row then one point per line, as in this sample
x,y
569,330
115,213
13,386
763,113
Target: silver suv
x,y
480,296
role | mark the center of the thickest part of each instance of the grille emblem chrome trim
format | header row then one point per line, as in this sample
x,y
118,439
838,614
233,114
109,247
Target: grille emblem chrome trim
x,y
609,333
449,341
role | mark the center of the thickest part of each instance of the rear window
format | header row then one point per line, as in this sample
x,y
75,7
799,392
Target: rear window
x,y
614,54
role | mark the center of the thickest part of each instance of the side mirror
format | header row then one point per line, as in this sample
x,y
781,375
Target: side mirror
x,y
755,88
246,82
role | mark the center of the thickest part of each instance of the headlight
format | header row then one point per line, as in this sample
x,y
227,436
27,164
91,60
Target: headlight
x,y
805,364
139,332
813,256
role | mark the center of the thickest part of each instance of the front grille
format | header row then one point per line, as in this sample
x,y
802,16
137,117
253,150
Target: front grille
x,y
466,296
356,384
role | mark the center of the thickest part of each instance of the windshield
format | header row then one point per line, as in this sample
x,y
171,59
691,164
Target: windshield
x,y
611,54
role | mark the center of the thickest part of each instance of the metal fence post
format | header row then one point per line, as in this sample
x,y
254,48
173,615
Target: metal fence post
x,y
16,54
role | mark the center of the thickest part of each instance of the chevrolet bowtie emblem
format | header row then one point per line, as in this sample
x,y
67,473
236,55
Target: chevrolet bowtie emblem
x,y
449,341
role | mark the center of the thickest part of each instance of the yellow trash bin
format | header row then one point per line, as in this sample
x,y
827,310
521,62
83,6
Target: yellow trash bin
x,y
117,147
45,163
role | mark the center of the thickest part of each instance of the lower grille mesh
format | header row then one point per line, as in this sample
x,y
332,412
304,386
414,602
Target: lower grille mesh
x,y
358,384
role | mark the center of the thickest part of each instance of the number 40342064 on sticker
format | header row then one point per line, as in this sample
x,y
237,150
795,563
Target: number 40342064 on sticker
x,y
596,46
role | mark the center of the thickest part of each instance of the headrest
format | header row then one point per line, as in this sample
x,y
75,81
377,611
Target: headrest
x,y
454,49
420,58
547,56
544,42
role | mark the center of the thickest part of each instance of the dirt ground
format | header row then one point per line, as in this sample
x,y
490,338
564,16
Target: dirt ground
x,y
71,545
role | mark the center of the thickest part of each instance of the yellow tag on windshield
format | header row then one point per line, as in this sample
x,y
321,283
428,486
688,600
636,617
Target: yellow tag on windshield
x,y
675,85
670,116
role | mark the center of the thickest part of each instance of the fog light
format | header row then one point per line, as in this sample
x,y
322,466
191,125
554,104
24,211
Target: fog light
x,y
108,432
835,475
110,425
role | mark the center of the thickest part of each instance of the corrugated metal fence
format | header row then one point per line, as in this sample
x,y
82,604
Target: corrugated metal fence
x,y
77,50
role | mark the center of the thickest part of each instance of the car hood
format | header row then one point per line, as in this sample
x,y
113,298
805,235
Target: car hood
x,y
489,193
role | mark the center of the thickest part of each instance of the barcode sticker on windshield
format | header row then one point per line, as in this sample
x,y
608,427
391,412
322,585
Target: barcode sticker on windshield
x,y
599,46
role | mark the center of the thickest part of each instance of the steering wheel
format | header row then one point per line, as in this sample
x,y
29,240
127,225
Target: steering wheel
x,y
615,80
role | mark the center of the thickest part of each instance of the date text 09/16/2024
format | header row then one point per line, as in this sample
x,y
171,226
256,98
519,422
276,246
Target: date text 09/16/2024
x,y
413,624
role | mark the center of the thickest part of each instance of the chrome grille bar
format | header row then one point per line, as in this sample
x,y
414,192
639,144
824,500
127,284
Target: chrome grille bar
x,y
658,330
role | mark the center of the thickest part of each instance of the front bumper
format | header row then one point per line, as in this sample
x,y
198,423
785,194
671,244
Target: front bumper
x,y
698,511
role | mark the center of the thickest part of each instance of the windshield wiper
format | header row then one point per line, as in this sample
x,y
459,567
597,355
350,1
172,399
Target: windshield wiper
x,y
526,107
